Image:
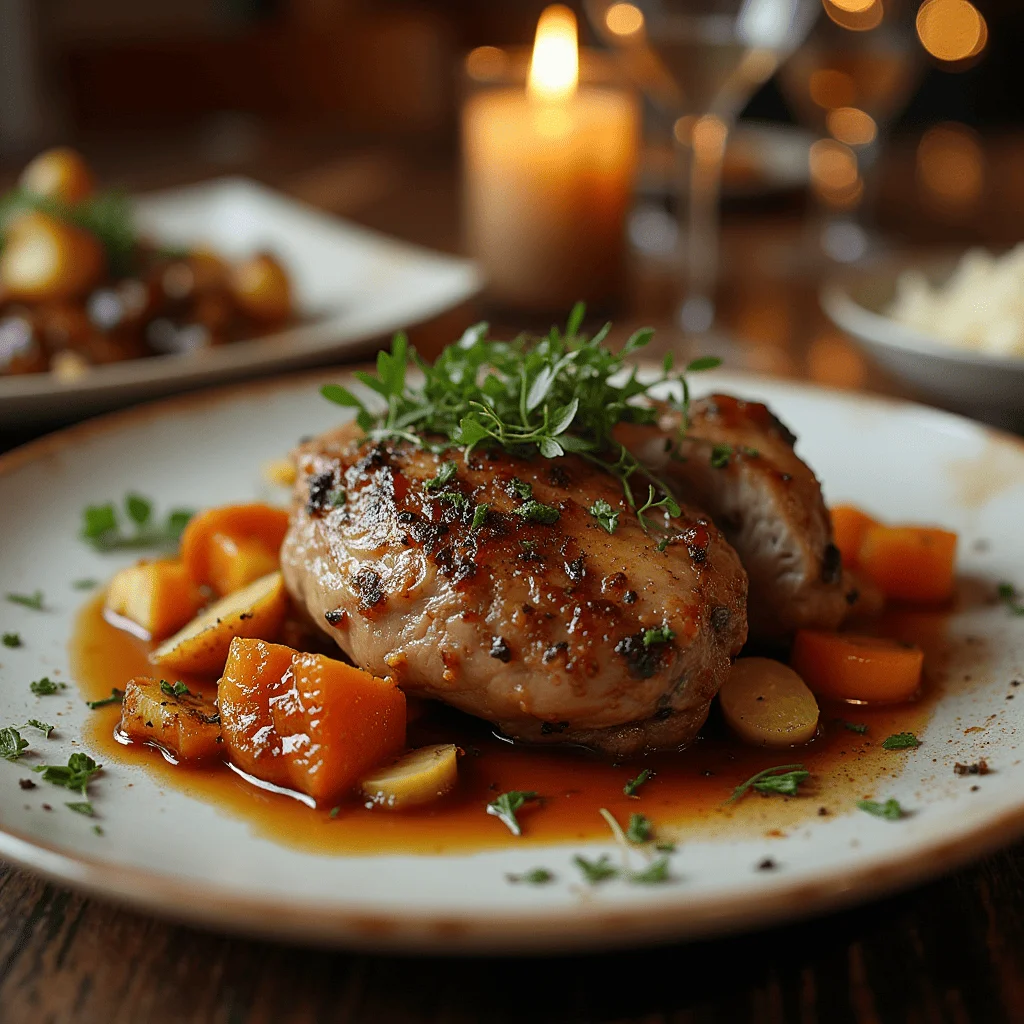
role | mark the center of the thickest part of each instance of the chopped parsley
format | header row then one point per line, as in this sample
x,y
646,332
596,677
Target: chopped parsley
x,y
179,689
480,516
444,475
901,741
701,363
12,640
562,393
595,871
116,696
75,775
633,785
858,727
658,635
655,873
1008,595
46,687
784,779
720,455
890,810
33,600
535,512
504,808
82,807
11,743
520,489
85,584
44,727
102,529
667,502
97,830
454,498
605,515
639,829
535,876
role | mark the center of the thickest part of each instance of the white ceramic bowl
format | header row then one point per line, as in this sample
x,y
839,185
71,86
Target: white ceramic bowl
x,y
991,387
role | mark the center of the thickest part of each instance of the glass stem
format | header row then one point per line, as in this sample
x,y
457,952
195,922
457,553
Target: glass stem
x,y
699,230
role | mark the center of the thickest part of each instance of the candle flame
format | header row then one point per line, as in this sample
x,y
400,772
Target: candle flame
x,y
555,66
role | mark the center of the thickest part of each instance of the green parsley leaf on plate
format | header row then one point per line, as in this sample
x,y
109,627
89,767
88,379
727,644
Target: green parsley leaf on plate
x,y
506,806
901,741
890,810
46,687
11,743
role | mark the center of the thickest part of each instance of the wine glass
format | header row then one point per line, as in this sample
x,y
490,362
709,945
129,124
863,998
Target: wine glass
x,y
700,61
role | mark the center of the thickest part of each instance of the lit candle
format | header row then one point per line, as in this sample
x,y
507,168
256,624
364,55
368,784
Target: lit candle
x,y
548,175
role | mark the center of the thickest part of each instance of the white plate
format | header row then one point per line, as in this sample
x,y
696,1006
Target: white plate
x,y
171,854
351,285
973,382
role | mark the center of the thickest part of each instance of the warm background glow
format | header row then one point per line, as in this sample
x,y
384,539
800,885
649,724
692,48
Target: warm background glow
x,y
951,30
486,62
624,19
951,169
852,126
856,15
555,66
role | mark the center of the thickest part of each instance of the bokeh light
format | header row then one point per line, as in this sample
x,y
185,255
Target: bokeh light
x,y
856,15
951,169
833,361
951,30
486,63
835,174
624,19
831,88
852,126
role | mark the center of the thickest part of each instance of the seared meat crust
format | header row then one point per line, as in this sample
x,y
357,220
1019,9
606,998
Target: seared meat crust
x,y
737,462
539,627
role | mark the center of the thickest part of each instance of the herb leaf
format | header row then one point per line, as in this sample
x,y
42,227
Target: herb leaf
x,y
11,743
901,741
12,640
82,807
720,455
639,830
535,876
504,808
655,873
179,689
75,775
605,515
444,474
658,635
890,810
480,516
101,526
1008,595
784,779
534,512
116,696
595,871
33,600
633,785
858,727
43,727
84,584
46,687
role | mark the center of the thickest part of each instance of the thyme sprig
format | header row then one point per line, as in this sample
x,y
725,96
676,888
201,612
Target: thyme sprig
x,y
562,393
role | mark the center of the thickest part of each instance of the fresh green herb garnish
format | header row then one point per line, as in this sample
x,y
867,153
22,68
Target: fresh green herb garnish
x,y
534,512
12,640
702,363
901,741
784,779
337,497
75,775
520,489
33,601
454,498
858,727
335,811
46,687
720,455
605,515
444,474
116,696
564,392
1008,595
82,807
504,808
44,727
639,830
97,830
655,873
85,584
890,810
667,502
179,689
658,635
595,871
101,525
665,847
633,785
480,516
11,744
535,876
664,543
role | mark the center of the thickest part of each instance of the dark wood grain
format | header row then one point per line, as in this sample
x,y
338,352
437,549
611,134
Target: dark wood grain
x,y
951,952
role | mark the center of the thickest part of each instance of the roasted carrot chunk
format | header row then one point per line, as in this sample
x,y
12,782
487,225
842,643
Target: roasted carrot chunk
x,y
846,666
227,548
159,597
849,524
307,722
184,723
909,563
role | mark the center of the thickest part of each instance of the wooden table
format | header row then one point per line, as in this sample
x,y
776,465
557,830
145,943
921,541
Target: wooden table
x,y
951,951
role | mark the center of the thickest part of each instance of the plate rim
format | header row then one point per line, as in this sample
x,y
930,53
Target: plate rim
x,y
534,929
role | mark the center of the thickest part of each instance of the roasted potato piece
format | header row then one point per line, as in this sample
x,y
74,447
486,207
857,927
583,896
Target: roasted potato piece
x,y
257,610
185,724
236,562
305,721
417,777
60,174
261,289
46,260
158,597
766,703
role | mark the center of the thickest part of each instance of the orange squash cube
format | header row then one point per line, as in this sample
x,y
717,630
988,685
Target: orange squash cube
x,y
159,597
849,525
910,563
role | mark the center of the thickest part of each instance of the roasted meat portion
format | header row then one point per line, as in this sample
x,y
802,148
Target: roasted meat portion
x,y
737,461
490,585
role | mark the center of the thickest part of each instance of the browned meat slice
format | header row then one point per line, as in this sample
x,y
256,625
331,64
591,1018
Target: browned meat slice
x,y
737,462
497,591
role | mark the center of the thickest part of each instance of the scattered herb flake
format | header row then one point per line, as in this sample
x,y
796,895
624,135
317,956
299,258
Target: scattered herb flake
x,y
97,830
46,687
82,807
75,775
633,785
784,779
480,516
665,847
44,727
858,727
444,475
179,689
33,601
85,584
520,489
658,635
335,811
703,363
605,515
595,871
101,526
12,640
116,696
11,744
901,741
535,512
720,455
890,810
504,808
639,830
535,876
654,874
1008,595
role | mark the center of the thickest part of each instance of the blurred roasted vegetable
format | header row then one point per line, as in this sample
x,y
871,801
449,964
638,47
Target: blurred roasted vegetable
x,y
59,174
47,260
261,289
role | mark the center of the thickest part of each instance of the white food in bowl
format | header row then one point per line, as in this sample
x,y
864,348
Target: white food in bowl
x,y
979,307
